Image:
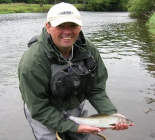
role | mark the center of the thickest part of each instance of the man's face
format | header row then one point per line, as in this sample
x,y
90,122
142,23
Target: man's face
x,y
64,35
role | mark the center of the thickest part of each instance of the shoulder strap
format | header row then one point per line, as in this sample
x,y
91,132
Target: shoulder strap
x,y
33,40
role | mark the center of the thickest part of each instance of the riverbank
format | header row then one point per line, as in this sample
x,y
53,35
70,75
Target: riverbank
x,y
151,24
28,8
22,8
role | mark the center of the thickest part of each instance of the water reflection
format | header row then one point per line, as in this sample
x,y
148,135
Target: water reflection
x,y
127,39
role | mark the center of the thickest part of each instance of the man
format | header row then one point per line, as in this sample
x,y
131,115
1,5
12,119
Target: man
x,y
59,71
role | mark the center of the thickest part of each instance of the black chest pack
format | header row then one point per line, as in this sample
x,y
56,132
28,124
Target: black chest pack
x,y
71,78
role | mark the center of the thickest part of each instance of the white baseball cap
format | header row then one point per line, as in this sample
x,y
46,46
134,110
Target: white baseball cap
x,y
63,12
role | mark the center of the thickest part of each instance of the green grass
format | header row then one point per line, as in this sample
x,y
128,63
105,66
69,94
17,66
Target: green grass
x,y
151,24
23,8
30,8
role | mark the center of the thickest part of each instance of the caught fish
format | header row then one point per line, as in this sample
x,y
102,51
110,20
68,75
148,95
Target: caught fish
x,y
98,120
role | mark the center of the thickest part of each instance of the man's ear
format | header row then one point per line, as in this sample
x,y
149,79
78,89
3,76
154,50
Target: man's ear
x,y
47,27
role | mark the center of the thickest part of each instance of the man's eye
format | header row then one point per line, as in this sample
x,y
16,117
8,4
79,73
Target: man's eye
x,y
74,25
59,26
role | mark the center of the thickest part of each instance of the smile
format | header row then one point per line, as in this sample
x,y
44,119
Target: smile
x,y
67,38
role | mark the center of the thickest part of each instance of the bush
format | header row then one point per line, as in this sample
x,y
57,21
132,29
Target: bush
x,y
5,1
141,8
151,24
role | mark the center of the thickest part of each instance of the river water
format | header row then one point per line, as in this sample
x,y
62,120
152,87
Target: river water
x,y
128,52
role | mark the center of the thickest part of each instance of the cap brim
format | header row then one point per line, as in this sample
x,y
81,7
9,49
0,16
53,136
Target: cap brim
x,y
63,20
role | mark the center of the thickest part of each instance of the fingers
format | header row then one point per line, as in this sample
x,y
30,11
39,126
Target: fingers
x,y
120,126
94,129
95,133
131,124
99,130
102,129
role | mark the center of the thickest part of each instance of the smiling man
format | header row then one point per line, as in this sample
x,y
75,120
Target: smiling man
x,y
64,36
59,71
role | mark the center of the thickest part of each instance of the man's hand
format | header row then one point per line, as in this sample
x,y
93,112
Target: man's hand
x,y
121,126
88,129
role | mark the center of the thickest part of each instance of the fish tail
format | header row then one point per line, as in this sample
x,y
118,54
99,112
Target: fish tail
x,y
65,116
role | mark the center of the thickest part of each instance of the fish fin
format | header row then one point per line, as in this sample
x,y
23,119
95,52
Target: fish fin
x,y
100,114
65,116
113,124
106,127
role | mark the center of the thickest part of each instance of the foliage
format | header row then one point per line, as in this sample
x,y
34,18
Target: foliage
x,y
151,24
90,5
141,8
108,5
5,1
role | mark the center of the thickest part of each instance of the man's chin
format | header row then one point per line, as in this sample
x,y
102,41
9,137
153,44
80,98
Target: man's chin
x,y
67,45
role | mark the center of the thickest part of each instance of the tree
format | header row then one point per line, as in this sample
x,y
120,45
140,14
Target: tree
x,y
76,1
108,5
141,8
5,1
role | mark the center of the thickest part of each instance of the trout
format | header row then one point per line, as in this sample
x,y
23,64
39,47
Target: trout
x,y
98,120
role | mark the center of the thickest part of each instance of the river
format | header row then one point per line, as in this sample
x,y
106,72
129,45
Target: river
x,y
128,52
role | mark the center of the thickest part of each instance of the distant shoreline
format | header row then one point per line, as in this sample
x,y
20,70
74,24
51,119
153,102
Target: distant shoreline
x,y
23,8
28,8
151,24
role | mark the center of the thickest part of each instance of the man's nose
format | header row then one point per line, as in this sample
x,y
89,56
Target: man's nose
x,y
67,30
